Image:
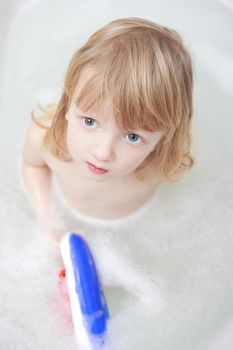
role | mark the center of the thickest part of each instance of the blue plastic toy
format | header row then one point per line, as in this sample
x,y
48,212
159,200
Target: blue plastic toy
x,y
88,305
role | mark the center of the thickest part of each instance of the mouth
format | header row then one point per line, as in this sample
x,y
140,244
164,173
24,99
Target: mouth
x,y
95,169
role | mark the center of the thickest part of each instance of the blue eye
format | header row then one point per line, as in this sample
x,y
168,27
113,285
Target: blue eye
x,y
89,122
134,138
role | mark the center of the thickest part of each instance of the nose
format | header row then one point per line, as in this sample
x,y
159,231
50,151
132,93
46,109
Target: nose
x,y
103,150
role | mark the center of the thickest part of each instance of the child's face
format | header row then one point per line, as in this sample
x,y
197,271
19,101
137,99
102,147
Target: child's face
x,y
94,138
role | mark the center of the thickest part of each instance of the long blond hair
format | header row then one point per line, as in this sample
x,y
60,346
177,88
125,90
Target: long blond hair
x,y
147,72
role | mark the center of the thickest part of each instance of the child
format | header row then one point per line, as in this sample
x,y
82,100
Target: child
x,y
122,124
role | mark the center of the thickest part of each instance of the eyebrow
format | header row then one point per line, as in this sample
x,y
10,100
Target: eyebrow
x,y
91,113
83,111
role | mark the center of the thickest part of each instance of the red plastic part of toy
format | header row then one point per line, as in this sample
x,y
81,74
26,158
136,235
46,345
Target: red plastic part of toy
x,y
62,273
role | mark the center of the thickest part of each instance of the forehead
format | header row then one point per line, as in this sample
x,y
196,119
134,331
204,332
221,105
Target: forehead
x,y
89,94
85,76
101,110
93,95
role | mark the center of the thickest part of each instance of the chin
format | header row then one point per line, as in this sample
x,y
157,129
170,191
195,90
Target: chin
x,y
96,177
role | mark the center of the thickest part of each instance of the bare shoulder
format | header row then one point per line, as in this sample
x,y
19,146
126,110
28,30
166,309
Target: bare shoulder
x,y
33,148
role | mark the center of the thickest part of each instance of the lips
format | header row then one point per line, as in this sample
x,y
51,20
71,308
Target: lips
x,y
95,169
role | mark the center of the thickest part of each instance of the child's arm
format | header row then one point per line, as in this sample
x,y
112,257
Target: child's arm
x,y
36,175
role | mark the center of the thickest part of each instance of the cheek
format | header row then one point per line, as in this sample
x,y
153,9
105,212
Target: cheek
x,y
69,138
72,140
132,160
142,156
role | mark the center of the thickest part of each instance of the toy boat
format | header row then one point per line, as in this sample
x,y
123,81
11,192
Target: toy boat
x,y
88,305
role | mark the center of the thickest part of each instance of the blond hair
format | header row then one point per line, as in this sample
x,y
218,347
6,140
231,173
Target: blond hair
x,y
147,72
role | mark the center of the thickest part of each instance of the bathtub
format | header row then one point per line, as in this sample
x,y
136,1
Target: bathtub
x,y
168,273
